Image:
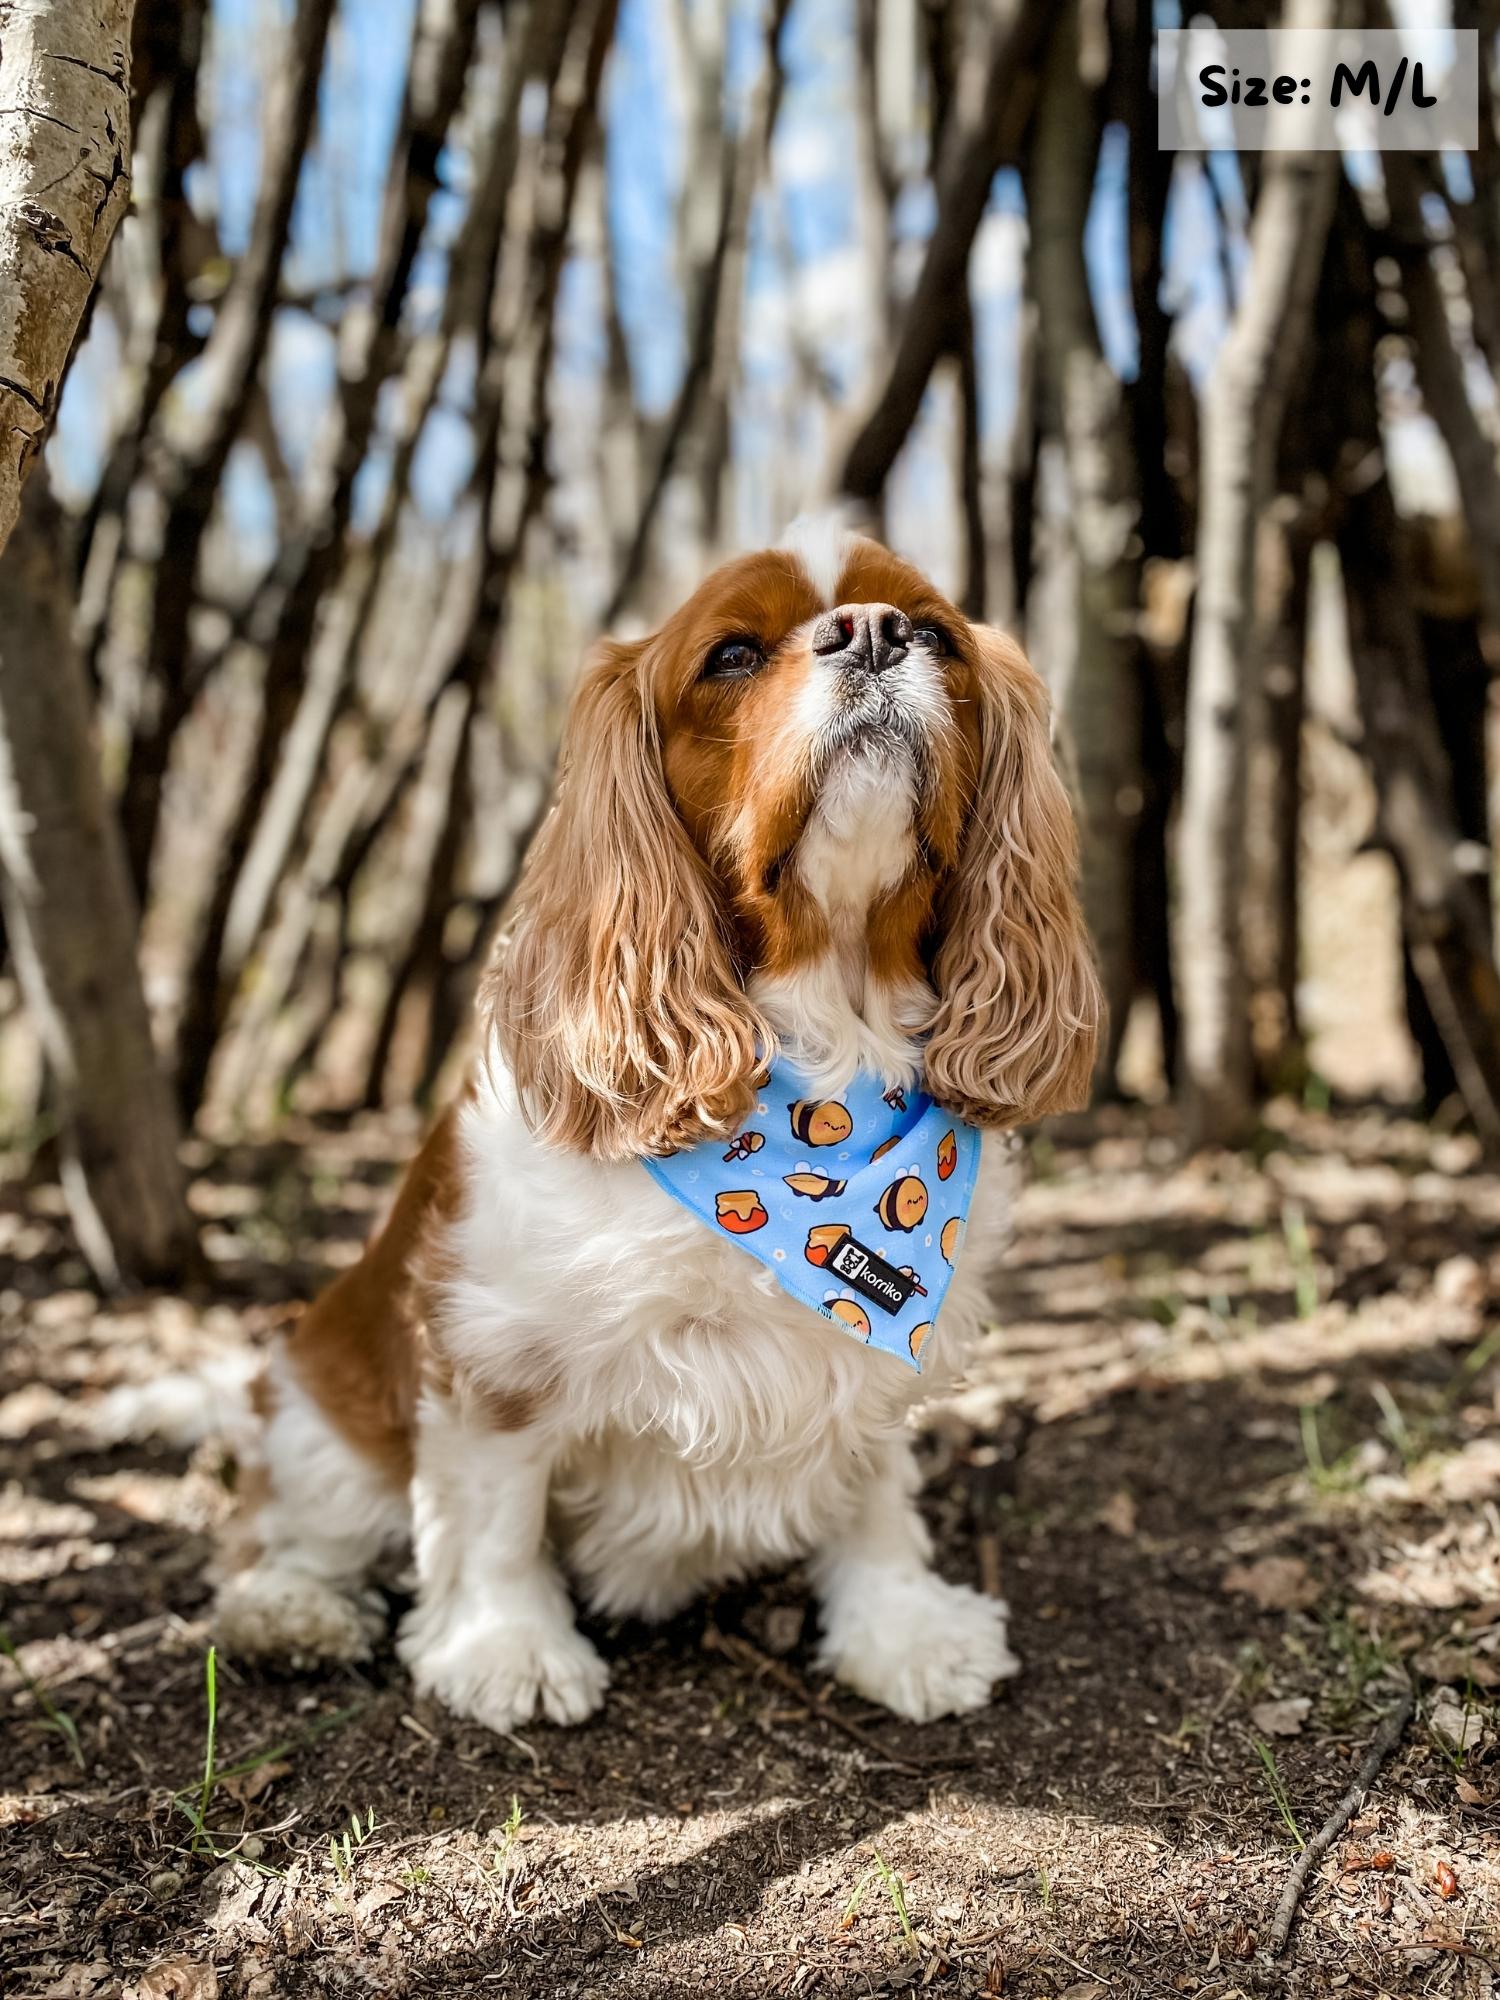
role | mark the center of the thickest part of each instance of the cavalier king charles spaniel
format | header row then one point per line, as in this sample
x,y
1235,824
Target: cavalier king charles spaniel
x,y
815,816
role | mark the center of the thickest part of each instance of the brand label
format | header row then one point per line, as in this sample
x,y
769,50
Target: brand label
x,y
881,1283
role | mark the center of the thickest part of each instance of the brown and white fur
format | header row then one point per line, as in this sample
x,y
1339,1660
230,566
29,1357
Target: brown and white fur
x,y
543,1366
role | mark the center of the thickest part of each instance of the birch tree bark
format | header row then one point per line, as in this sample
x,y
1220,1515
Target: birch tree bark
x,y
1242,420
1084,404
64,184
71,920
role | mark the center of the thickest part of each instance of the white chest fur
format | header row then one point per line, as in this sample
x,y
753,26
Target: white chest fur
x,y
705,1423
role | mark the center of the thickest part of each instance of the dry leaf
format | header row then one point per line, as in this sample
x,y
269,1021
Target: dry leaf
x,y
1281,1718
783,1628
176,1979
1471,1474
1458,1281
1118,1514
249,1785
376,1899
1357,1863
1277,1583
1450,1662
76,1982
1460,1728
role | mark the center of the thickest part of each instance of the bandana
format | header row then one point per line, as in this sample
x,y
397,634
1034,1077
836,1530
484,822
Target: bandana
x,y
856,1204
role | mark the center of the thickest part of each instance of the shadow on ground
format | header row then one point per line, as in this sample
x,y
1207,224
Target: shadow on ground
x,y
1235,1448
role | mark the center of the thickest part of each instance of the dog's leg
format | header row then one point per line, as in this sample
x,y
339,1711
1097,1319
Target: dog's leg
x,y
893,1630
492,1632
318,1515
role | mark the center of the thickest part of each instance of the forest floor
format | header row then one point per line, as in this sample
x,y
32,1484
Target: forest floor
x,y
1233,1450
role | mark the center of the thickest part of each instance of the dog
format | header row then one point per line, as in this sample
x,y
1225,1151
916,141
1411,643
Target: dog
x,y
814,816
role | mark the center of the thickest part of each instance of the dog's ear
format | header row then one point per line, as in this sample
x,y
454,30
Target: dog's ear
x,y
1019,1004
614,999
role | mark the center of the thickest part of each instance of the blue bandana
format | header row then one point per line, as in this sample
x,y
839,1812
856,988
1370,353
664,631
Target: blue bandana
x,y
856,1204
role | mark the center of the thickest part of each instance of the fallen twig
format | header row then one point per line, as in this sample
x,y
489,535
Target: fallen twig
x,y
743,1652
1384,1741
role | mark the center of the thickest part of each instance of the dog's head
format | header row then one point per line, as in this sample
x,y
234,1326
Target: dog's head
x,y
817,784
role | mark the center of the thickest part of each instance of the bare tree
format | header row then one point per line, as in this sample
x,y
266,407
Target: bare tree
x,y
187,457
64,184
717,293
995,94
71,919
1083,403
1241,432
309,559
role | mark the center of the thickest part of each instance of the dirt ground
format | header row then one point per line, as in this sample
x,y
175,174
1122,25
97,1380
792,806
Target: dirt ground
x,y
1233,1451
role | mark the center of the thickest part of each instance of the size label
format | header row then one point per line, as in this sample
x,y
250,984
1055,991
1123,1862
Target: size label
x,y
863,1272
1292,89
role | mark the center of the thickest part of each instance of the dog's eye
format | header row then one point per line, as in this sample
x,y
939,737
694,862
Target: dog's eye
x,y
733,660
932,638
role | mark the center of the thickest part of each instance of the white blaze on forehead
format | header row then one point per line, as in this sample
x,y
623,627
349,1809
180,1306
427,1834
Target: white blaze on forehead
x,y
822,543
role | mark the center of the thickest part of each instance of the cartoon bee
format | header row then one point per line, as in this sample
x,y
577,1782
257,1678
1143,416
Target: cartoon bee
x,y
947,1155
895,1097
918,1335
948,1242
746,1144
816,1187
740,1211
850,1311
820,1241
822,1123
904,1203
916,1283
884,1147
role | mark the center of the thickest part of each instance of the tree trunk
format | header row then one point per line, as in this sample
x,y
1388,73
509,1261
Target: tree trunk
x,y
71,920
1444,909
1444,904
1241,429
1458,679
1273,818
187,461
987,126
1440,375
1083,404
64,184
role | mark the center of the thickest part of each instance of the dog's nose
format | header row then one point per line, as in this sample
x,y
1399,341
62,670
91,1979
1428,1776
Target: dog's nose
x,y
872,636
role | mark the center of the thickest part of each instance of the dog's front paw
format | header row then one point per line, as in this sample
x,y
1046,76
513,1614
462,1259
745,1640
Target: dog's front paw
x,y
917,1645
504,1672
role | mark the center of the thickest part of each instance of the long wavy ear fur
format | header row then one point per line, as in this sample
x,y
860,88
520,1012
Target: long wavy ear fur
x,y
1019,1004
615,998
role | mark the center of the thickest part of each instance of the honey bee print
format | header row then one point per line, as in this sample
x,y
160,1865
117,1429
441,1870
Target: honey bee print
x,y
740,1211
850,1311
820,1122
885,1147
918,1336
904,1203
947,1155
744,1145
952,1235
813,1187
